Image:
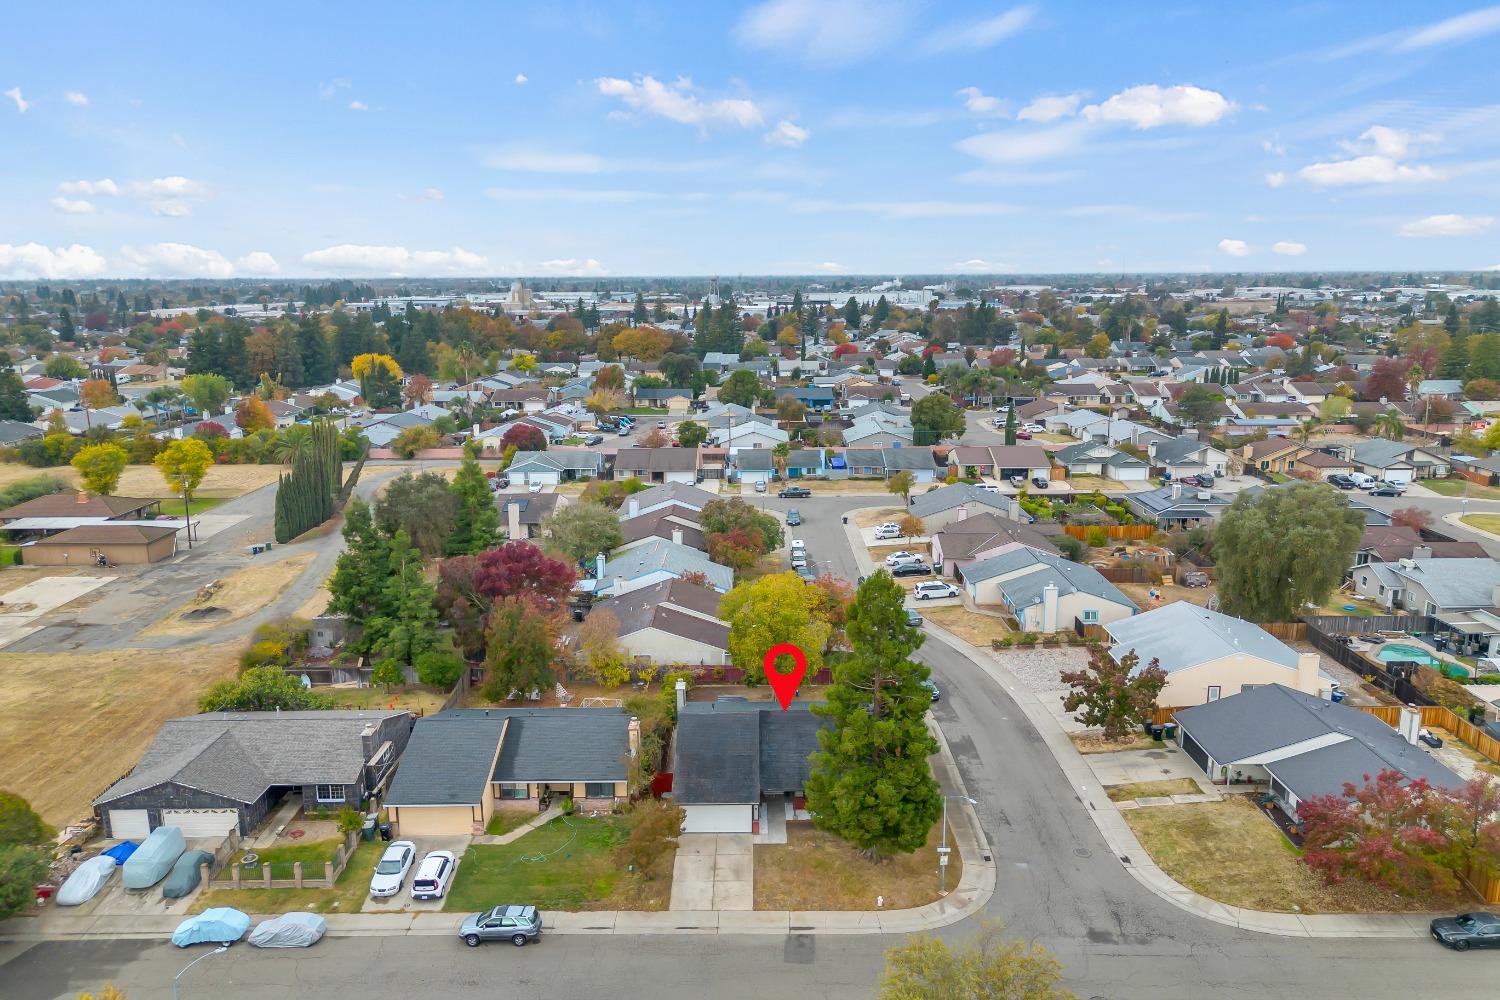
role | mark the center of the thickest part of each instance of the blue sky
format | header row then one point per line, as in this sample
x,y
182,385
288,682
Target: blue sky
x,y
791,136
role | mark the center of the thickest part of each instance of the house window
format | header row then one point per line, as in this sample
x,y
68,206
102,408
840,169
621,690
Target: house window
x,y
511,790
599,790
328,793
1213,692
1091,616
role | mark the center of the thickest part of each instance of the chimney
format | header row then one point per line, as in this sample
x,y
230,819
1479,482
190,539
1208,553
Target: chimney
x,y
633,734
513,520
633,508
83,497
599,566
1049,609
681,693
1411,723
1421,552
676,536
1176,491
1307,673
1015,509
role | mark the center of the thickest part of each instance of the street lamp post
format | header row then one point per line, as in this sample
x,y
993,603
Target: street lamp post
x,y
187,514
221,949
943,849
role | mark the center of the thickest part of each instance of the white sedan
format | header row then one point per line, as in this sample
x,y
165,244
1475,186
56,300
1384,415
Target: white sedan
x,y
1034,428
390,872
902,558
889,529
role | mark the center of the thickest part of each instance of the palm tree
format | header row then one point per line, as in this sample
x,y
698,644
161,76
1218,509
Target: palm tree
x,y
1304,431
1391,424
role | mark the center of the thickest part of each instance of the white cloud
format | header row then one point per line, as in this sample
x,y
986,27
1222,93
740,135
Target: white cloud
x,y
177,260
1366,170
172,208
1274,148
1391,142
1050,108
826,32
357,258
1149,106
29,261
358,106
1234,248
536,159
975,265
73,206
1276,178
580,196
1289,248
76,98
573,267
1448,225
257,262
1022,147
1463,28
520,79
22,103
980,103
332,87
788,133
976,35
830,267
105,186
679,102
431,194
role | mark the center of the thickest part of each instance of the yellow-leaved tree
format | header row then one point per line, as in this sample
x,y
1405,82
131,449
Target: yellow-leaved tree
x,y
363,364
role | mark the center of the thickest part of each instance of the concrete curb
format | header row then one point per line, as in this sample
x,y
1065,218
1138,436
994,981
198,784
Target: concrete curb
x,y
1134,858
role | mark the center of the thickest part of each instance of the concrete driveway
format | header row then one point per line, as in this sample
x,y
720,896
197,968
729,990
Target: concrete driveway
x,y
714,871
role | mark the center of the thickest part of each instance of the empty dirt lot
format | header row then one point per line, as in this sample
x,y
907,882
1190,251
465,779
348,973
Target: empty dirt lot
x,y
71,723
146,480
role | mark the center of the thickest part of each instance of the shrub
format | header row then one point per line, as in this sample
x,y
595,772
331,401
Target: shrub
x,y
1098,537
646,672
1027,639
668,694
718,674
265,653
439,669
388,673
567,806
349,821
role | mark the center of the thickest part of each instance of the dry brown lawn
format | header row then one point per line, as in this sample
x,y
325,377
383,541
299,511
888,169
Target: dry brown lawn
x,y
844,487
879,552
974,629
1140,594
418,699
814,870
316,604
1096,743
1228,851
146,480
72,723
1152,789
240,594
879,515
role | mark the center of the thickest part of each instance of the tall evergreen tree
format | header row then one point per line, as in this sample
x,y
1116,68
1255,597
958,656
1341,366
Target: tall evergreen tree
x,y
65,328
851,316
881,314
1010,424
234,357
13,404
316,352
358,585
476,524
870,783
638,311
408,627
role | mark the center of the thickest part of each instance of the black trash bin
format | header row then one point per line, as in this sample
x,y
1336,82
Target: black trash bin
x,y
385,831
846,518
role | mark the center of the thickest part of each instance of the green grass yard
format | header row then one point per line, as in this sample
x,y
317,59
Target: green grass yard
x,y
1483,522
312,855
197,505
1456,488
347,896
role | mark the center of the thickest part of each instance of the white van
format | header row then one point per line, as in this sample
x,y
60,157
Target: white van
x,y
1362,481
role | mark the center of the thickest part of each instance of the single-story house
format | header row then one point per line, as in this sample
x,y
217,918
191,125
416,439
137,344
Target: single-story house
x,y
527,399
1043,591
112,543
1430,586
751,434
1394,542
971,538
549,468
815,398
1001,461
1208,655
1090,459
1321,464
878,429
656,559
670,622
463,764
732,759
1301,745
522,514
754,465
221,771
64,505
1177,507
946,505
1184,456
678,494
802,462
1398,461
677,522
658,465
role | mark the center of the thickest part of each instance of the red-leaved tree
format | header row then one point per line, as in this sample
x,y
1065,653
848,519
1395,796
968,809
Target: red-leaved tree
x,y
1387,380
469,587
1412,517
738,548
844,349
1387,832
525,437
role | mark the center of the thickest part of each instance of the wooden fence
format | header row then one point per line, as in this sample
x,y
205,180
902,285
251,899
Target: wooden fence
x,y
1286,631
1116,532
1443,718
1130,573
260,876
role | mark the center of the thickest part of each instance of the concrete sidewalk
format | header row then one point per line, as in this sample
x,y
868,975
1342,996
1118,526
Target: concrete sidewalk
x,y
1123,843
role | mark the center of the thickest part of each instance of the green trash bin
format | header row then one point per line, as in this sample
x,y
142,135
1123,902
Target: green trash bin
x,y
367,830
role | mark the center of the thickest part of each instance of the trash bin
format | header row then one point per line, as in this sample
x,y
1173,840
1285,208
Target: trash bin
x,y
367,831
1154,731
385,831
1169,731
1337,695
846,518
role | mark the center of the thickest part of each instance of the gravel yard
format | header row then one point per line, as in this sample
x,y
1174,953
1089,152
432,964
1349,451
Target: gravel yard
x,y
1041,669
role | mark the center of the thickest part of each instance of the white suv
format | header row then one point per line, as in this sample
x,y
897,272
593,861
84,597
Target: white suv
x,y
433,875
390,872
933,589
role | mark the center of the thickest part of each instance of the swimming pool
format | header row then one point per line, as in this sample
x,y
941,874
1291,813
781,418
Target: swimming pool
x,y
1398,651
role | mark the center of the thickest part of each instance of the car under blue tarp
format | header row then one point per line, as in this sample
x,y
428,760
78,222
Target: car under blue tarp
x,y
219,925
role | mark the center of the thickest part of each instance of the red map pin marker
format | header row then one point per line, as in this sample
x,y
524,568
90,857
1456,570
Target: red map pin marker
x,y
785,685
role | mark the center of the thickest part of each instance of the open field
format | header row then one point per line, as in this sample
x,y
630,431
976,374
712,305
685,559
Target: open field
x,y
815,870
1152,789
870,518
1228,851
71,723
240,594
418,700
223,481
975,629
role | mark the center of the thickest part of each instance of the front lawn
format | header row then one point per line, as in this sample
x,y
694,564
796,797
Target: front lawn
x,y
506,820
197,505
1152,789
1096,743
312,855
569,864
870,518
1483,522
975,629
347,895
815,870
1230,852
1456,488
417,699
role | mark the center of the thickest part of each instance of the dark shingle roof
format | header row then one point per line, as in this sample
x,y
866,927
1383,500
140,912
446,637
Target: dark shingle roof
x,y
447,760
732,750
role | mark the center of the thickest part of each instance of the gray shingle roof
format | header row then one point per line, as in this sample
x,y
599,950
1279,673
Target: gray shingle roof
x,y
1454,583
1046,568
447,760
733,751
660,554
948,497
240,754
1182,635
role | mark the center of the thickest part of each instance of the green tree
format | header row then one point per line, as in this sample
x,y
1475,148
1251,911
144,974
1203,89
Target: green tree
x,y
519,651
13,402
900,484
721,517
64,366
262,689
388,673
183,464
316,352
1284,549
476,523
207,391
414,439
691,434
935,417
870,783
423,506
1114,695
99,467
439,668
19,823
774,609
851,316
582,530
741,388
409,627
357,590
1198,406
1010,425
21,870
985,966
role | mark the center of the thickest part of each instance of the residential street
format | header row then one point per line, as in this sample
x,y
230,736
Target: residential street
x,y
1057,883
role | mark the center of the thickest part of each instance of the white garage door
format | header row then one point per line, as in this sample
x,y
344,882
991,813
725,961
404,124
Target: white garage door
x,y
716,819
129,824
201,823
1398,475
